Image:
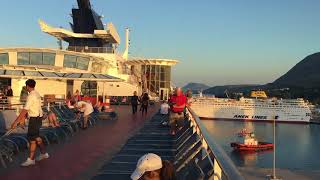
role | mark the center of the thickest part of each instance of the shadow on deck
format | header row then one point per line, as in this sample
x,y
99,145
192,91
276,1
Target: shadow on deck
x,y
184,150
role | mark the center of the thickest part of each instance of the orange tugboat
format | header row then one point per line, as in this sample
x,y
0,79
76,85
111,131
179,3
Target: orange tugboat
x,y
248,142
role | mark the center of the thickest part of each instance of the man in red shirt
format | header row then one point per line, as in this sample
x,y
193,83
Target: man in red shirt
x,y
178,103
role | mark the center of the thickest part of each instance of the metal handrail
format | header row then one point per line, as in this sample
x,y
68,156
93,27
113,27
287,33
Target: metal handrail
x,y
91,49
221,160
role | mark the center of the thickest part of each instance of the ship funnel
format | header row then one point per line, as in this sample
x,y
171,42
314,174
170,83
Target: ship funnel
x,y
126,51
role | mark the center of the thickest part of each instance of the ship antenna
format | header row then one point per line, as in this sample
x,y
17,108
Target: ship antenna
x,y
226,92
126,51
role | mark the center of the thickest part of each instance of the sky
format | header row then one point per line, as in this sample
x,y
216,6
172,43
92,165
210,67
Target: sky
x,y
218,42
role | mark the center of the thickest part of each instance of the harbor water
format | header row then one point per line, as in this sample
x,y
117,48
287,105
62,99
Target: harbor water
x,y
298,145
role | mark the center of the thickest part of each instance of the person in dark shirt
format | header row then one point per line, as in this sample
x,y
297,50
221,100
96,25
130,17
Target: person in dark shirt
x,y
134,102
9,92
144,103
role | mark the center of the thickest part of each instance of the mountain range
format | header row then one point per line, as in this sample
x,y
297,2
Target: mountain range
x,y
195,87
301,81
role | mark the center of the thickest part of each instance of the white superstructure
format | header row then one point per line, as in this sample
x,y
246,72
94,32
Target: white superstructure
x,y
282,110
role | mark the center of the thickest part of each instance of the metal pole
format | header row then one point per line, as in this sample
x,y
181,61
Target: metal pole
x,y
103,94
274,148
274,177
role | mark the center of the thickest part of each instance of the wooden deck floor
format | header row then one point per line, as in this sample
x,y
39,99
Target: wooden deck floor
x,y
83,155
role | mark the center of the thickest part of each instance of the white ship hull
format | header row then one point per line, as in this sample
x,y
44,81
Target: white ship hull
x,y
252,110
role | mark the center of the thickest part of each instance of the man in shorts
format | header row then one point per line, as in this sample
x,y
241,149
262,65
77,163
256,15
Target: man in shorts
x,y
33,110
178,103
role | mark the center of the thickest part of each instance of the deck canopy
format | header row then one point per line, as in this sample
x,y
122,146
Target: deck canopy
x,y
109,35
56,75
144,61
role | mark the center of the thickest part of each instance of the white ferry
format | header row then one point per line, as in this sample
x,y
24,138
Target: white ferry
x,y
257,108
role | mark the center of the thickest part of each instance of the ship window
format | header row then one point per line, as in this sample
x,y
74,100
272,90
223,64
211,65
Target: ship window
x,y
4,58
89,88
32,73
96,67
76,62
70,61
36,58
15,73
82,63
49,59
23,58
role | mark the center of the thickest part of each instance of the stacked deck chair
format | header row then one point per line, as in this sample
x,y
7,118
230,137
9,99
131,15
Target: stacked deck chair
x,y
11,141
15,141
184,150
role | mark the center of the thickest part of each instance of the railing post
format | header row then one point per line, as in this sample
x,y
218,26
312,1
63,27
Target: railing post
x,y
48,107
217,170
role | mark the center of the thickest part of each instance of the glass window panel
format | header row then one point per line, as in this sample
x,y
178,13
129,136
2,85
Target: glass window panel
x,y
23,58
60,74
96,67
2,71
32,73
82,63
162,77
49,59
36,58
4,58
167,84
70,61
14,72
162,85
85,75
89,88
74,75
100,76
49,74
162,69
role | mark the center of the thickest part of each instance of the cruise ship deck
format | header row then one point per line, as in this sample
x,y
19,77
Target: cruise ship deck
x,y
81,156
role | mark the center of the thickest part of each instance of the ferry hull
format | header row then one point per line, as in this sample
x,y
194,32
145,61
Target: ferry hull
x,y
254,120
225,109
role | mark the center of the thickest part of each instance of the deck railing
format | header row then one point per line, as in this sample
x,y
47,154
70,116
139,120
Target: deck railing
x,y
223,167
86,49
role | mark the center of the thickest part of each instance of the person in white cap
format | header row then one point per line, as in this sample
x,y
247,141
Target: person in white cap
x,y
151,167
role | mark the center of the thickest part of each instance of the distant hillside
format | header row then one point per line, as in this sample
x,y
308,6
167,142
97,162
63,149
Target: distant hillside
x,y
301,81
219,91
305,74
195,87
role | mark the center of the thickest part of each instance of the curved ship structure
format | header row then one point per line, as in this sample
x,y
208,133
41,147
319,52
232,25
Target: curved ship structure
x,y
91,62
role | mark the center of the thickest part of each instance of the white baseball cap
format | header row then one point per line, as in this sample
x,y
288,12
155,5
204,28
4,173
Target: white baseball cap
x,y
148,162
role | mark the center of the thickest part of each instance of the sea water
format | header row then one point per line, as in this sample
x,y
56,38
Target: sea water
x,y
297,145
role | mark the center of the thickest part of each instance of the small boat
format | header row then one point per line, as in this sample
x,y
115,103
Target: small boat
x,y
250,143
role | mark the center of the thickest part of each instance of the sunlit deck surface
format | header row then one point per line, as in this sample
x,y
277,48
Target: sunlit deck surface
x,y
83,155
